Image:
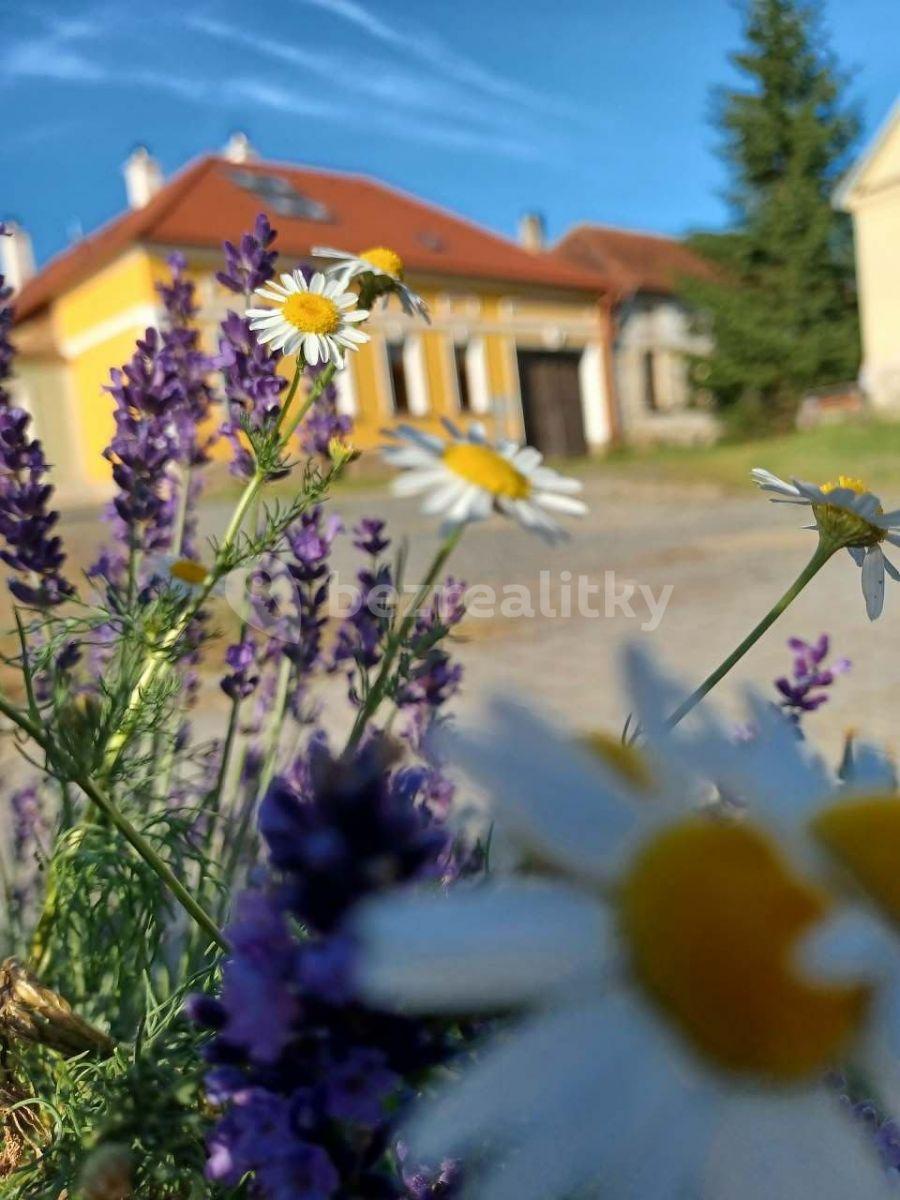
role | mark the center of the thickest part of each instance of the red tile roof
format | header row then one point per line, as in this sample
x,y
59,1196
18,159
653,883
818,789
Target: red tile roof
x,y
632,262
213,199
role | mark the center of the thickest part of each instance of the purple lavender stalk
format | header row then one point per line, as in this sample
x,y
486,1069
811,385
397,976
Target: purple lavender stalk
x,y
7,313
807,688
253,386
161,402
309,1079
26,520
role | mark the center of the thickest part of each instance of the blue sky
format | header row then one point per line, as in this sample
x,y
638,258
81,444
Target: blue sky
x,y
582,109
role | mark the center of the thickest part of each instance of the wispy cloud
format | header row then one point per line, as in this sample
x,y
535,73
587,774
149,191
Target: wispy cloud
x,y
408,104
437,54
432,97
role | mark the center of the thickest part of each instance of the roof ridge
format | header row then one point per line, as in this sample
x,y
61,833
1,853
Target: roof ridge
x,y
603,227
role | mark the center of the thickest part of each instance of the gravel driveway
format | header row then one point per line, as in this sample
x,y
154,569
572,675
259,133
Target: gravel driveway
x,y
724,559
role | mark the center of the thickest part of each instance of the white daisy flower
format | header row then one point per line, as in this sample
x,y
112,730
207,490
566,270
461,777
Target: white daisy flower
x,y
467,478
318,318
675,1046
181,575
385,269
844,828
848,515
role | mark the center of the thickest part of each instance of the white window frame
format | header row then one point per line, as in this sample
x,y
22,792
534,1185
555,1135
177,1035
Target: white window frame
x,y
347,395
415,371
594,397
477,378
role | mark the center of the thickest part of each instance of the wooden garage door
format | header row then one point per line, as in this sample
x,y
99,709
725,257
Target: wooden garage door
x,y
551,402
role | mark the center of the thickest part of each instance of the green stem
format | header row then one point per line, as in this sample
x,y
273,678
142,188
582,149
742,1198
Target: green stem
x,y
103,802
292,391
157,657
377,691
276,724
823,553
315,391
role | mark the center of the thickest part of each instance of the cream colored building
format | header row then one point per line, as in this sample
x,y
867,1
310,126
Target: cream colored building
x,y
871,193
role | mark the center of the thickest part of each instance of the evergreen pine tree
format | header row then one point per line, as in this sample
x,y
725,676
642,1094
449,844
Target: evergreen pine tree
x,y
783,308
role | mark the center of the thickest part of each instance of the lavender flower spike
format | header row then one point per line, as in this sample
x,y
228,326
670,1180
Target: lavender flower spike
x,y
806,689
26,521
251,263
6,350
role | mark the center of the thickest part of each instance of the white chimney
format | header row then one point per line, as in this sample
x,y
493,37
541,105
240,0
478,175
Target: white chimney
x,y
143,177
239,148
531,232
16,256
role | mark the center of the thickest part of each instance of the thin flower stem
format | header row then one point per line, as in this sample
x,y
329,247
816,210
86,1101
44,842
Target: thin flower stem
x,y
292,391
376,693
134,838
158,657
276,724
315,391
823,553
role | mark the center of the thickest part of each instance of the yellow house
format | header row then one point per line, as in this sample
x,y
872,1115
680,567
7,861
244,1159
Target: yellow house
x,y
517,337
871,193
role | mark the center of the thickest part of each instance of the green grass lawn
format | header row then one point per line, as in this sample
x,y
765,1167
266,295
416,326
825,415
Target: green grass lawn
x,y
868,450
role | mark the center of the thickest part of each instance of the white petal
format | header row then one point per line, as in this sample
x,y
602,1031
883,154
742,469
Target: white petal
x,y
480,948
409,456
587,1132
317,283
771,483
409,433
890,568
481,505
470,505
532,518
857,553
802,1144
556,798
311,349
563,504
505,1088
873,582
527,459
549,480
868,769
444,496
330,252
417,481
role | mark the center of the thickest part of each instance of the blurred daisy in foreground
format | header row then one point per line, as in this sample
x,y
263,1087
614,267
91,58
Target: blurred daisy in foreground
x,y
382,268
318,317
467,478
844,828
676,1045
847,515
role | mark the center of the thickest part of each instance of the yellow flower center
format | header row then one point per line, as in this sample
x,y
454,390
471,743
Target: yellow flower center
x,y
186,570
711,915
846,481
846,528
311,313
488,469
385,260
624,759
863,835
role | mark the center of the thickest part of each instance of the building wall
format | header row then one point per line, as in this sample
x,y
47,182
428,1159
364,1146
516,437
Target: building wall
x,y
877,227
655,338
96,324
